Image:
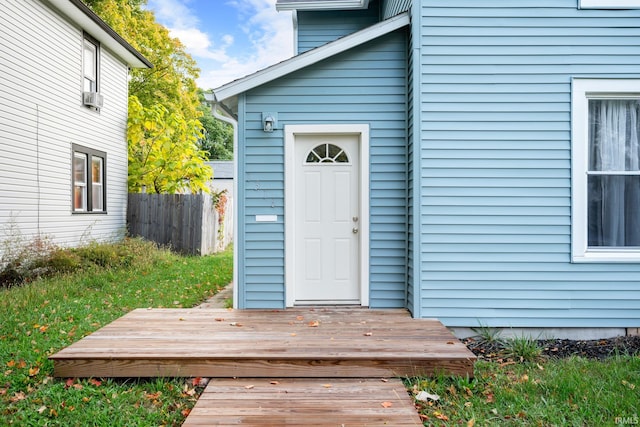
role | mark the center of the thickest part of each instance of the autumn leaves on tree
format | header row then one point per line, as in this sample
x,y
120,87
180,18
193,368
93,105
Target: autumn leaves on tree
x,y
165,132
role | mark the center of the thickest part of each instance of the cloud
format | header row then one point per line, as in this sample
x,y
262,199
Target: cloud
x,y
268,34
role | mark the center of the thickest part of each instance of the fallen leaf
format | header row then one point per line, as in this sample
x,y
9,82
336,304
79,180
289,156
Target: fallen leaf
x,y
384,380
95,382
424,396
440,416
471,422
219,319
293,334
274,382
300,318
450,342
327,385
18,396
368,334
69,382
153,396
3,391
314,324
249,387
386,404
21,364
11,363
42,409
78,386
34,371
185,412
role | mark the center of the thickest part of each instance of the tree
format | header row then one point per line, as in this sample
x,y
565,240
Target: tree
x,y
217,138
164,156
164,104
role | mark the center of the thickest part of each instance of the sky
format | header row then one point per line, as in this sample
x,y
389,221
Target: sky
x,y
228,39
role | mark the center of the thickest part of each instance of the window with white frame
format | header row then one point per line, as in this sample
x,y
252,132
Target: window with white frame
x,y
89,172
606,170
90,64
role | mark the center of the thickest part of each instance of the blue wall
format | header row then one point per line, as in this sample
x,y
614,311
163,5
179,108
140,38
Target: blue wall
x,y
495,162
316,28
364,85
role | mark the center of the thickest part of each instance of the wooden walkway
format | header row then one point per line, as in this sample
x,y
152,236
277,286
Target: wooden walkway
x,y
302,367
331,343
304,402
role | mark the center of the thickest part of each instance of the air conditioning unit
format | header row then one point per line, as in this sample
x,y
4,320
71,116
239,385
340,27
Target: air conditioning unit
x,y
93,99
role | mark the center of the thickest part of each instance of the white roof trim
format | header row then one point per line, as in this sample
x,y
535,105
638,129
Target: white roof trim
x,y
311,57
323,5
82,16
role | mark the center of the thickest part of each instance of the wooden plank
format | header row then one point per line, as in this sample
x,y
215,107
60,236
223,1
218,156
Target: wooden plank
x,y
304,402
225,368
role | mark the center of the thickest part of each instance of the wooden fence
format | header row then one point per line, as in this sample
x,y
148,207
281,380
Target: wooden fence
x,y
188,223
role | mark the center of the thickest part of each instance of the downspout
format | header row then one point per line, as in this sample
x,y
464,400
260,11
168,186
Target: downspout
x,y
228,118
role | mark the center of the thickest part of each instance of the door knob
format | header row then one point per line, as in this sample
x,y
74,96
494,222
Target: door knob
x,y
355,230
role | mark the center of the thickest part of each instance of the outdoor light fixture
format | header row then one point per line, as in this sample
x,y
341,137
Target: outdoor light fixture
x,y
269,121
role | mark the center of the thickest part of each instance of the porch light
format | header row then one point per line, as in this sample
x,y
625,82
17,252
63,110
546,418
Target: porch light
x,y
269,122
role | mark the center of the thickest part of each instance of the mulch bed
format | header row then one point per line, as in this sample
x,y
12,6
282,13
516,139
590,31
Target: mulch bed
x,y
559,349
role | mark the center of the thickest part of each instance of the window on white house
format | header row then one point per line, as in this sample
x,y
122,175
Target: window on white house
x,y
90,65
606,170
88,180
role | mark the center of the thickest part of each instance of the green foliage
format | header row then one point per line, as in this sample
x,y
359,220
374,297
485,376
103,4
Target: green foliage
x,y
217,139
164,107
44,316
523,348
164,155
566,392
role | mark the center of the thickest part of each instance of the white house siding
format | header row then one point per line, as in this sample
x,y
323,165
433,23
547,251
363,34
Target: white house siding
x,y
365,85
41,116
495,162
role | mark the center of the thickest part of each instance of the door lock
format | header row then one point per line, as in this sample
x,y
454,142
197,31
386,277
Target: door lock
x,y
355,230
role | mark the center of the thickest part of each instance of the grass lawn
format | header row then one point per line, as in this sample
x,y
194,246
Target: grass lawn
x,y
564,392
42,317
46,315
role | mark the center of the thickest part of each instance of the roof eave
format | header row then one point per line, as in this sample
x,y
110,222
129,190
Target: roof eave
x,y
323,5
311,57
78,13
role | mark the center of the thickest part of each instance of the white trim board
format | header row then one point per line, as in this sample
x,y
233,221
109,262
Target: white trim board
x,y
321,4
290,132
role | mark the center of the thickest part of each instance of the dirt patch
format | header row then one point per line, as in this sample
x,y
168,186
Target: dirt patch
x,y
559,349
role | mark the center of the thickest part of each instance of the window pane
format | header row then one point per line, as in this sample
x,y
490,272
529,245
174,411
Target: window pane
x,y
90,66
613,211
79,181
614,131
80,168
97,189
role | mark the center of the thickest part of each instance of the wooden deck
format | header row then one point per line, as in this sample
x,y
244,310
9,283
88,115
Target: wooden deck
x,y
304,402
292,343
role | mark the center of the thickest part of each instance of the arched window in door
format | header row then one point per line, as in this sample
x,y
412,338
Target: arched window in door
x,y
327,153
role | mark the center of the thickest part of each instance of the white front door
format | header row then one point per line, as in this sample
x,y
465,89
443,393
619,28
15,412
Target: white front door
x,y
327,219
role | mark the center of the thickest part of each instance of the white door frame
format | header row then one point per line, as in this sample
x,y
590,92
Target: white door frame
x,y
290,132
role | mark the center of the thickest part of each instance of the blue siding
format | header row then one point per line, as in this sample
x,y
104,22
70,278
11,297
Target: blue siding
x,y
392,8
495,163
343,89
316,28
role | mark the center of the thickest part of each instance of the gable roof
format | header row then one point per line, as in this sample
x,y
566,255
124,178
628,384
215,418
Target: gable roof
x,y
321,4
78,13
236,87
